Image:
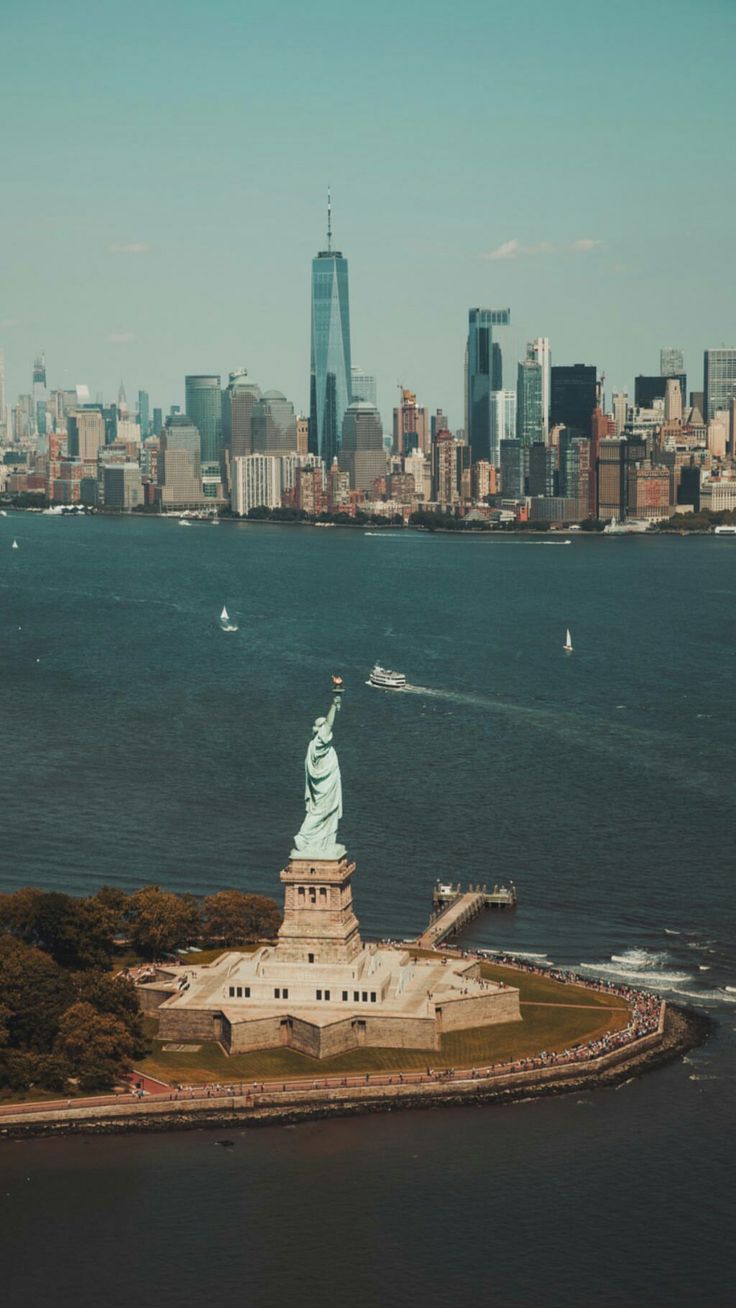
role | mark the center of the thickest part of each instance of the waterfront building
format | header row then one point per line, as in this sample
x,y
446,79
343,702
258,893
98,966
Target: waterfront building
x,y
3,401
238,403
719,377
717,495
573,396
539,350
331,373
553,508
256,482
512,469
179,462
419,466
575,469
503,422
144,410
363,386
203,407
85,433
483,375
302,435
362,454
542,469
482,480
529,407
648,491
614,459
273,424
446,469
309,491
671,363
411,425
122,487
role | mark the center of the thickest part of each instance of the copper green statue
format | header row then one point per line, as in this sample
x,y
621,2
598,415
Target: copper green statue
x,y
317,836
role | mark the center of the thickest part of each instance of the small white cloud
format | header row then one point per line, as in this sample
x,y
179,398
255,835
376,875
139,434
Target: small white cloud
x,y
515,249
585,245
128,247
120,338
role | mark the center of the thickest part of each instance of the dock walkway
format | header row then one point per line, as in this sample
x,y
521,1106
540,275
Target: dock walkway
x,y
455,914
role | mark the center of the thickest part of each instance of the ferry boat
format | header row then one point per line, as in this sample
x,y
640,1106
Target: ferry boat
x,y
385,679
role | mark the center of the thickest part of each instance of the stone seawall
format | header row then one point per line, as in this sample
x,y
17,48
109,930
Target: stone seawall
x,y
681,1030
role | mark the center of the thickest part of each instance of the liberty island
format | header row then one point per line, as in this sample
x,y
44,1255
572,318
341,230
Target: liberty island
x,y
320,990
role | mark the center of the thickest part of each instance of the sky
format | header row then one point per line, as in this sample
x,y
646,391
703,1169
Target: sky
x,y
164,168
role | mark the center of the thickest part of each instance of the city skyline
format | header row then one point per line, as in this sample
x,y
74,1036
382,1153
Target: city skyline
x,y
122,265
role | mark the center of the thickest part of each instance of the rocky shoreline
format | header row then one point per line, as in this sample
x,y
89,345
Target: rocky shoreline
x,y
683,1030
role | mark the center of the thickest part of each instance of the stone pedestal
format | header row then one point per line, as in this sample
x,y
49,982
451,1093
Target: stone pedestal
x,y
319,924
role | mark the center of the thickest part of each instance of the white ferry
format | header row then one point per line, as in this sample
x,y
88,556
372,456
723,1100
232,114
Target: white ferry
x,y
385,679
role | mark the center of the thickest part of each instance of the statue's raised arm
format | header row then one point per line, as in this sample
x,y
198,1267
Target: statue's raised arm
x,y
317,836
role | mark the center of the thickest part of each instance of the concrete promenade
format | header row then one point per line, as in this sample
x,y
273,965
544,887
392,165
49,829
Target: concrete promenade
x,y
277,1099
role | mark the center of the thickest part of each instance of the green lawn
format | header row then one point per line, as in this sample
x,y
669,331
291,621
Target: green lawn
x,y
543,990
548,1028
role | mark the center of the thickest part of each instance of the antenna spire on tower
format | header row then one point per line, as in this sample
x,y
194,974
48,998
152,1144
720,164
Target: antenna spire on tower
x,y
329,221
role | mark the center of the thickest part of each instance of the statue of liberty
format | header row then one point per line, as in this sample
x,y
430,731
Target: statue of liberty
x,y
317,836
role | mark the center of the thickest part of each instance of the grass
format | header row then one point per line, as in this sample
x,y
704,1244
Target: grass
x,y
542,1028
544,990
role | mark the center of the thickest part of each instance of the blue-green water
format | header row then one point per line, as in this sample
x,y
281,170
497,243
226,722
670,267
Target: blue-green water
x,y
141,743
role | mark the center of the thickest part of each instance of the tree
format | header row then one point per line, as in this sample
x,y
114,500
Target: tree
x,y
35,991
235,917
76,932
161,921
99,1047
114,995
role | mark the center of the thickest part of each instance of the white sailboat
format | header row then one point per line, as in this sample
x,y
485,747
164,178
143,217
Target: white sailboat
x,y
568,642
14,546
226,621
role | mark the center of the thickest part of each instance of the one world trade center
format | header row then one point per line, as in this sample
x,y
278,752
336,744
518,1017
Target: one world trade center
x,y
330,392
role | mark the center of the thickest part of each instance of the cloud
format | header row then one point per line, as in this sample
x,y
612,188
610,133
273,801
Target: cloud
x,y
7,323
515,249
128,247
120,338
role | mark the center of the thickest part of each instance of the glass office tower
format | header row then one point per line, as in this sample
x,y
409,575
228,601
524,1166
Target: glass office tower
x,y
330,389
483,376
573,397
204,409
530,402
719,375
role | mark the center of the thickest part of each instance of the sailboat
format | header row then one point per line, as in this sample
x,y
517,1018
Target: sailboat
x,y
14,546
568,642
226,622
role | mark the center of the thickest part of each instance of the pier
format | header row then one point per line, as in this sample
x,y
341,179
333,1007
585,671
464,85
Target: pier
x,y
453,908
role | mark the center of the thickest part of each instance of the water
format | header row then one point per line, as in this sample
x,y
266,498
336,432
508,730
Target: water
x,y
141,743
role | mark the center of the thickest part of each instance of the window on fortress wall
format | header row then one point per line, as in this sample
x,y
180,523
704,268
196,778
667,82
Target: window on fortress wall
x,y
247,992
344,996
276,992
302,892
323,892
312,895
232,992
310,958
373,996
365,996
239,992
356,996
284,994
327,994
319,994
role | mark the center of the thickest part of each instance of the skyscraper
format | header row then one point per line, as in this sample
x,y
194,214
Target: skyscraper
x,y
144,412
363,386
362,454
671,363
39,395
3,401
483,375
331,374
529,402
411,425
238,402
273,425
719,376
203,403
503,422
648,389
573,396
538,349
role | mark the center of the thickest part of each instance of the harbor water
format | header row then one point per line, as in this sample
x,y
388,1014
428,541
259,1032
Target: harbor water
x,y
143,744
